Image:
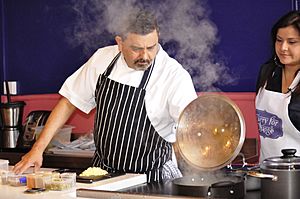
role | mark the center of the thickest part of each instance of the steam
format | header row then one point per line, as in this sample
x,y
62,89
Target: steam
x,y
186,33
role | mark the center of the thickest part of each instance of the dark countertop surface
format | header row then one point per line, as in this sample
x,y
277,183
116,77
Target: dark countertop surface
x,y
170,189
153,191
50,160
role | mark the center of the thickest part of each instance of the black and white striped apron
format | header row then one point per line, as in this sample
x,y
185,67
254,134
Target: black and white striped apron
x,y
125,139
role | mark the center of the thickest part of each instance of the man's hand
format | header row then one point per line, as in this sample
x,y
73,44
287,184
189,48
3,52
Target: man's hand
x,y
59,115
32,158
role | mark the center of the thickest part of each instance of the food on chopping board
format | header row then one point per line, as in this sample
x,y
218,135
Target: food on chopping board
x,y
93,171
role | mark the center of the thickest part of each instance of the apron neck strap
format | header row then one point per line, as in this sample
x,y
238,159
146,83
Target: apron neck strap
x,y
146,75
295,82
111,65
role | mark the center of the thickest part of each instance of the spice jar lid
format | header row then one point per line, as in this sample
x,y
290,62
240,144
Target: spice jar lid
x,y
288,161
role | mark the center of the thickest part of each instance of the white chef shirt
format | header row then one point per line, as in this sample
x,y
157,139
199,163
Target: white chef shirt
x,y
169,91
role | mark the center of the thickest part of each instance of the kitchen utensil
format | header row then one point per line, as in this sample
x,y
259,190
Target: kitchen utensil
x,y
210,134
252,182
11,118
286,168
210,185
91,179
12,113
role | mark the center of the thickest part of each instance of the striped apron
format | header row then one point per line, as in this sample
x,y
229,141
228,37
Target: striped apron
x,y
125,139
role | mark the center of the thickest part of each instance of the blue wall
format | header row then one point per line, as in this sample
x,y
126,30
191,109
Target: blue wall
x,y
244,29
36,54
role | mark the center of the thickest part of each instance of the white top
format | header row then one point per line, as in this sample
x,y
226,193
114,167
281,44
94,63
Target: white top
x,y
169,91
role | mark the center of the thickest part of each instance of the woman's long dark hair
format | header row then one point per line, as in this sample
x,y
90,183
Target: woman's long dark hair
x,y
290,19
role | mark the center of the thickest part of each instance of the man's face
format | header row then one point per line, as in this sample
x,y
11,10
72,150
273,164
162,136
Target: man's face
x,y
139,50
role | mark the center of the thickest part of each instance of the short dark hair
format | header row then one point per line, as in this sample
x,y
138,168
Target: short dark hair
x,y
141,22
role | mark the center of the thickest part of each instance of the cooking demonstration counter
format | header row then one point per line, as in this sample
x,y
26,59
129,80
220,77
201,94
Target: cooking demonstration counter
x,y
122,186
14,186
79,162
141,191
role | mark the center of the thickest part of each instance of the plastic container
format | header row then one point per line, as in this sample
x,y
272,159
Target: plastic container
x,y
60,181
59,184
63,135
38,180
4,171
4,177
16,180
69,176
4,165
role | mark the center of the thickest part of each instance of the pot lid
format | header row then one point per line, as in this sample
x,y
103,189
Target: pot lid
x,y
210,132
288,161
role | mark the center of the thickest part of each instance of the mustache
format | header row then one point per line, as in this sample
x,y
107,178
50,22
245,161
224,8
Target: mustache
x,y
142,61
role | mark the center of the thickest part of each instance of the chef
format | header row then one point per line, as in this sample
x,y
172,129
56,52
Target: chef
x,y
138,92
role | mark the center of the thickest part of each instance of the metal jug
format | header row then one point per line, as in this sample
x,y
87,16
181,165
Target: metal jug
x,y
11,123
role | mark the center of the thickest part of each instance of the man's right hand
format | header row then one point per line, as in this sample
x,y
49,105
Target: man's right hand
x,y
59,115
33,158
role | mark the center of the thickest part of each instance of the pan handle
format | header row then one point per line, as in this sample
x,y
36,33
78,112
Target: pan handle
x,y
262,175
222,184
228,185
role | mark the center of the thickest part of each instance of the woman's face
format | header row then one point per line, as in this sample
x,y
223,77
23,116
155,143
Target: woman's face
x,y
287,46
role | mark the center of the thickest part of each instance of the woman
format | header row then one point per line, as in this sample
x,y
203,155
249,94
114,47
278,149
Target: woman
x,y
278,90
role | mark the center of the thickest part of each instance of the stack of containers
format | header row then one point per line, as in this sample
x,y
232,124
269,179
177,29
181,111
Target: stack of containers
x,y
8,177
51,181
45,180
